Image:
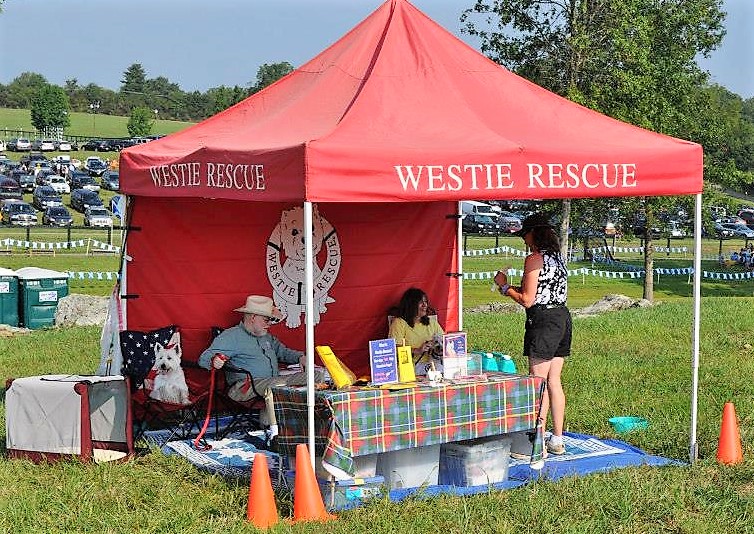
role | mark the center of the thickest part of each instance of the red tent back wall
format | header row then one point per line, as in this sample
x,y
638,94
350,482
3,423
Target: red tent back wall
x,y
194,260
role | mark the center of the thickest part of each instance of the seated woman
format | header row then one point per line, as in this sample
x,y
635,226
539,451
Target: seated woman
x,y
415,324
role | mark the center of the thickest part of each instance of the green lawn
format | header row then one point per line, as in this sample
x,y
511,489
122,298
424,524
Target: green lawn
x,y
83,124
634,362
631,362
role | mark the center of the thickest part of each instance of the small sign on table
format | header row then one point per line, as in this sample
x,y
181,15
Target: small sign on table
x,y
383,361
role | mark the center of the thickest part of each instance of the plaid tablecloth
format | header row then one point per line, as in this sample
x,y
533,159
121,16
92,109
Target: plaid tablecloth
x,y
360,421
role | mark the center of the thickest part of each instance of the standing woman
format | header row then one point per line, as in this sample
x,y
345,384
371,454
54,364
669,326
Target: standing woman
x,y
547,337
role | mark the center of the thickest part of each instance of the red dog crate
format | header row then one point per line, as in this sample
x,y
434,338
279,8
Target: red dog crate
x,y
63,416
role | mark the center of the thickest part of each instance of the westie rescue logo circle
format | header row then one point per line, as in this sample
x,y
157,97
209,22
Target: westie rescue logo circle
x,y
286,261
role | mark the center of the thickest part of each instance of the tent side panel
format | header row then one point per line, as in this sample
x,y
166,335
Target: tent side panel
x,y
196,260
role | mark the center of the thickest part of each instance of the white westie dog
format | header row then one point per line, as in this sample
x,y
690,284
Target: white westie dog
x,y
169,384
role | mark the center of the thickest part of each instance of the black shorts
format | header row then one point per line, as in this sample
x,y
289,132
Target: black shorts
x,y
548,332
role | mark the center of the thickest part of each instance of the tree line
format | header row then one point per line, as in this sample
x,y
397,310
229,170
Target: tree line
x,y
137,97
636,61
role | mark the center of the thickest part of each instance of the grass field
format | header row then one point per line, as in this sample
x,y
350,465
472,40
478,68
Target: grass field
x,y
632,362
83,124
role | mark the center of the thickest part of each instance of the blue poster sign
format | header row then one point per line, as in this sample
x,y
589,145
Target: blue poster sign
x,y
383,361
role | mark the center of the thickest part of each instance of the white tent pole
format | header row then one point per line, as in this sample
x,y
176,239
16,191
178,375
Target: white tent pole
x,y
459,240
309,285
693,447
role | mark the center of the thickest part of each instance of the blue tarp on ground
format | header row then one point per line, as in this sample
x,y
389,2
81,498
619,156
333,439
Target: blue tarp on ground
x,y
585,455
614,454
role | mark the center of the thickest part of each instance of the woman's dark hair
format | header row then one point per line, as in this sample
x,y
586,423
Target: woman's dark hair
x,y
545,239
543,234
408,307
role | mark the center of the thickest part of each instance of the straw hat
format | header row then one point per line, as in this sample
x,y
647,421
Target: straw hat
x,y
261,305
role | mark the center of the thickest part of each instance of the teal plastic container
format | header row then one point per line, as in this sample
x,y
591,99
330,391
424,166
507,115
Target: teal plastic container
x,y
40,292
474,363
506,364
8,297
496,362
489,362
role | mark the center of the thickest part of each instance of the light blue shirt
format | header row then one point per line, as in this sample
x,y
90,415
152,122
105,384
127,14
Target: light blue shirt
x,y
257,354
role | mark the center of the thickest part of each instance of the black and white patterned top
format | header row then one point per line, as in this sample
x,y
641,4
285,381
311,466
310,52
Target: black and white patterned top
x,y
552,286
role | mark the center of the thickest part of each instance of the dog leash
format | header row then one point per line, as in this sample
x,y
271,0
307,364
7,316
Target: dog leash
x,y
206,446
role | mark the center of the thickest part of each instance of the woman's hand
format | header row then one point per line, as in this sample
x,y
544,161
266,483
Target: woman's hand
x,y
501,278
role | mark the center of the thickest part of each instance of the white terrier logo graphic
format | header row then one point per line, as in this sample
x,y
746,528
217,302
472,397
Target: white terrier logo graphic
x,y
286,252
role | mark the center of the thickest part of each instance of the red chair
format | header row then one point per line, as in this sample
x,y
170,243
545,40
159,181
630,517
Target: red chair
x,y
150,414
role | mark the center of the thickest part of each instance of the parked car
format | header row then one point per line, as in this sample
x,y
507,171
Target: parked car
x,y
74,175
27,182
95,166
748,216
733,219
736,230
111,180
509,222
63,146
59,184
3,147
45,196
676,230
479,224
9,188
83,181
120,144
721,232
97,217
57,216
640,224
19,144
43,145
18,213
83,198
98,145
43,175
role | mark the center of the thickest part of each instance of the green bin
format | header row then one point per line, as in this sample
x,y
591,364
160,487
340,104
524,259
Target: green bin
x,y
40,291
8,297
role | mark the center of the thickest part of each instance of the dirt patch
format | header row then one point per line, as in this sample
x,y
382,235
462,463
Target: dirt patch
x,y
81,310
608,303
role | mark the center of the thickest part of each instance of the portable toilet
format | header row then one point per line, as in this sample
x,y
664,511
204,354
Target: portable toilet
x,y
40,291
8,297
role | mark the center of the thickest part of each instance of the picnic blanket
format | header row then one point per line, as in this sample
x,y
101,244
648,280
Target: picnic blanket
x,y
585,454
229,457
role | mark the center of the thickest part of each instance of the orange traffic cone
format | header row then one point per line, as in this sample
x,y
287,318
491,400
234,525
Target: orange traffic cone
x,y
307,500
729,445
261,510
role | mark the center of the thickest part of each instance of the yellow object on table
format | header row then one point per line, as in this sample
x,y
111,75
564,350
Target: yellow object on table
x,y
341,375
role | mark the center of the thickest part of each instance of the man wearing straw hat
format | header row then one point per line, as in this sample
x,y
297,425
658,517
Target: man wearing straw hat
x,y
249,346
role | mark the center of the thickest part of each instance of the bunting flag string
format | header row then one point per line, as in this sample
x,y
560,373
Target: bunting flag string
x,y
639,273
594,251
89,275
104,246
37,245
640,250
496,250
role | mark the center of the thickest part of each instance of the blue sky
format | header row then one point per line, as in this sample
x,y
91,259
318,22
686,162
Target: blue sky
x,y
200,44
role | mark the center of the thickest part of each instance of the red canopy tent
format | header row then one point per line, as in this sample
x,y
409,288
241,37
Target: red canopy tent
x,y
385,131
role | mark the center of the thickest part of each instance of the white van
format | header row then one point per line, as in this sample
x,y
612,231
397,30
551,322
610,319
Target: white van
x,y
478,208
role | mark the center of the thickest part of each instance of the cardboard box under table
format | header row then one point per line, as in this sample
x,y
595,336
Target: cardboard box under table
x,y
55,416
356,422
